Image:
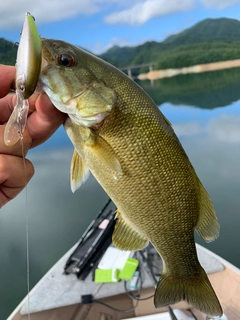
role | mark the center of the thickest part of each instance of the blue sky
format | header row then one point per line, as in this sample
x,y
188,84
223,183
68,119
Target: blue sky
x,y
99,24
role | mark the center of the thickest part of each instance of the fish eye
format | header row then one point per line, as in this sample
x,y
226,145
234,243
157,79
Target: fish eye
x,y
66,60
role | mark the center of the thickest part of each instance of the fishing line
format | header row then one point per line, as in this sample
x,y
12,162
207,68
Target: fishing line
x,y
26,228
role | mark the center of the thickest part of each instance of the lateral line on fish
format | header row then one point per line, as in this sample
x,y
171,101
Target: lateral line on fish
x,y
26,230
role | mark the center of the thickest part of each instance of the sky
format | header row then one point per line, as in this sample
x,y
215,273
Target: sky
x,y
97,25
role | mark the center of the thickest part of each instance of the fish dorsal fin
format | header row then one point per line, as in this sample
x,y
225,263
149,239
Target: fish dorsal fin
x,y
167,121
207,225
78,171
104,152
125,237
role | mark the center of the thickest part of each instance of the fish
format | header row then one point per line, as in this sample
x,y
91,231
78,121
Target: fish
x,y
123,139
28,67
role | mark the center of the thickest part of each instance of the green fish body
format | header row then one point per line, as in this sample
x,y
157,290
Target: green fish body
x,y
120,135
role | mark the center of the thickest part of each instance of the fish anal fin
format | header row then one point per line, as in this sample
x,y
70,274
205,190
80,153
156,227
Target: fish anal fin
x,y
125,237
197,292
207,225
78,171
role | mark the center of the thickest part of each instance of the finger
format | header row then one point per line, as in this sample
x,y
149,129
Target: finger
x,y
7,76
44,121
8,103
44,118
6,107
14,176
20,148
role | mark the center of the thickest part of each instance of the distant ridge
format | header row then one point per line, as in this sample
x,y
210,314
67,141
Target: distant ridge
x,y
221,29
8,52
207,41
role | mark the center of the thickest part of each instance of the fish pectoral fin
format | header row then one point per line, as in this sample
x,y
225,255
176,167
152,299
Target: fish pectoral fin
x,y
197,291
85,139
125,237
105,153
78,171
207,225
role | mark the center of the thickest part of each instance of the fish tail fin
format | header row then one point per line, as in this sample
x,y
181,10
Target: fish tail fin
x,y
198,292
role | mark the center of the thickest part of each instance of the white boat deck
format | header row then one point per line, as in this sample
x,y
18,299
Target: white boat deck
x,y
57,289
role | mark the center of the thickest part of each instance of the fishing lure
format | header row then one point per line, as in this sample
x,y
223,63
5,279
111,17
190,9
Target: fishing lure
x,y
28,64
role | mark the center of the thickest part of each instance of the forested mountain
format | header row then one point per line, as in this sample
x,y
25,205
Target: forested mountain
x,y
8,52
208,30
208,41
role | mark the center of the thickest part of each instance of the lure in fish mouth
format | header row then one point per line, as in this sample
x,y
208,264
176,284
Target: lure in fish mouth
x,y
28,65
121,136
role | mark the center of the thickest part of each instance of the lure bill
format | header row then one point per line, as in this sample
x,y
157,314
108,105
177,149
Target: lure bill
x,y
28,65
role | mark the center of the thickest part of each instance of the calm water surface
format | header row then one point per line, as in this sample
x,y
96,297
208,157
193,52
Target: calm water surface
x,y
204,110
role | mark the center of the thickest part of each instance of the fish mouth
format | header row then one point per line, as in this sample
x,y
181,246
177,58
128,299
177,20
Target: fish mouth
x,y
46,54
45,63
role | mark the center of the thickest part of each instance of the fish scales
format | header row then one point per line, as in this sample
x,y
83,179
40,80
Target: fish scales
x,y
159,189
120,135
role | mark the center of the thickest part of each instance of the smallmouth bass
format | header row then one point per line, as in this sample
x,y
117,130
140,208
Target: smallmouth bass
x,y
120,135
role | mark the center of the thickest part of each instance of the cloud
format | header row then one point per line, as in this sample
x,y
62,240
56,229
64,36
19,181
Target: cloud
x,y
222,128
225,128
45,11
143,11
135,12
100,47
187,128
12,11
219,5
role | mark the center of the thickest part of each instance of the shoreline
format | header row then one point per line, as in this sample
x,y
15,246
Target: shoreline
x,y
166,73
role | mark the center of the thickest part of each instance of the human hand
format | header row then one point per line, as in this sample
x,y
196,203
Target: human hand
x,y
43,121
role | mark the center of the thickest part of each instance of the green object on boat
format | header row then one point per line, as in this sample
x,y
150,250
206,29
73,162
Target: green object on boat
x,y
106,275
128,270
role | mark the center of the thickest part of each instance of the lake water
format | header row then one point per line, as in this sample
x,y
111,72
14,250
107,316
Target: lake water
x,y
204,110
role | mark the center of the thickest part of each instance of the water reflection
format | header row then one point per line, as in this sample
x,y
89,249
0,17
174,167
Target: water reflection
x,y
204,90
57,218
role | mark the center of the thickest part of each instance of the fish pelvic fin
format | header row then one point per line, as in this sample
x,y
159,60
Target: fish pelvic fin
x,y
197,292
207,225
125,237
78,171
